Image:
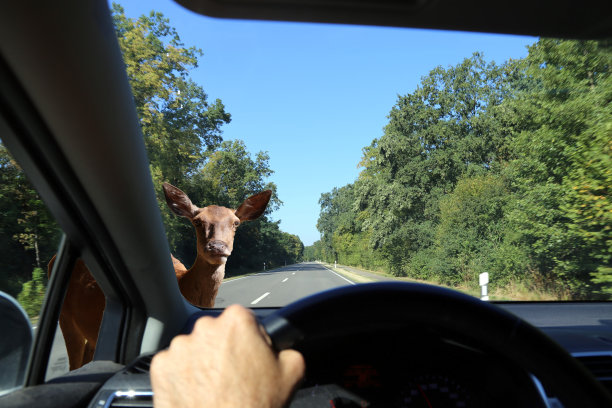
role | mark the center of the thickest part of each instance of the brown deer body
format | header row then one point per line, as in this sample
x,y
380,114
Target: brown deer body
x,y
215,228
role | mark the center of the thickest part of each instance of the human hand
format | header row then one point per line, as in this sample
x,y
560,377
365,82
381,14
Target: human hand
x,y
225,362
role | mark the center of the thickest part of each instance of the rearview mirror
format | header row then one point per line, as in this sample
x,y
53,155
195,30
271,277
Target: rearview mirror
x,y
15,344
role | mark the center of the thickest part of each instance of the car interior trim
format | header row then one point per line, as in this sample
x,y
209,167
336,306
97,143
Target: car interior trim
x,y
27,136
547,18
56,290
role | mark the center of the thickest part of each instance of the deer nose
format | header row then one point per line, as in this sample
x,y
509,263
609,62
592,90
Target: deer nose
x,y
217,247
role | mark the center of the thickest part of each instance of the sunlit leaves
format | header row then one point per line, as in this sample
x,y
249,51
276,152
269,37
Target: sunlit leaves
x,y
178,123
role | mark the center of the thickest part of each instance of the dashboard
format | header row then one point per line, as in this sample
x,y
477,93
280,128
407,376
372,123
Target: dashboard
x,y
410,368
417,366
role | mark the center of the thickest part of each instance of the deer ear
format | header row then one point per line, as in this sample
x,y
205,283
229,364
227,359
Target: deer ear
x,y
253,206
178,201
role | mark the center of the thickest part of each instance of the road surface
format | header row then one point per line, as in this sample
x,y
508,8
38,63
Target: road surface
x,y
280,286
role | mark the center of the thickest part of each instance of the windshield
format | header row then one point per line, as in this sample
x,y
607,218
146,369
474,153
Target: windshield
x,y
391,153
478,162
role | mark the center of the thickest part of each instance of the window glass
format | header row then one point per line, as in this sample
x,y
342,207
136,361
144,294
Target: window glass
x,y
29,239
79,323
474,161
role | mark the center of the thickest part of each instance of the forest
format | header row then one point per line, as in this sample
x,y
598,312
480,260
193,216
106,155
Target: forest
x,y
182,131
484,167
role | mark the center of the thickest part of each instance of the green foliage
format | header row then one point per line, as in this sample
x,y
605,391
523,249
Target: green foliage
x,y
314,252
437,134
177,121
490,168
342,238
469,227
337,217
28,234
32,293
561,166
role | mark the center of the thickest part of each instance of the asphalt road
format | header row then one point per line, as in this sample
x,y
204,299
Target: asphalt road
x,y
280,286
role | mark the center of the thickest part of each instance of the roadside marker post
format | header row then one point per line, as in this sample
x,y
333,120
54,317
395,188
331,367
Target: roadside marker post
x,y
483,280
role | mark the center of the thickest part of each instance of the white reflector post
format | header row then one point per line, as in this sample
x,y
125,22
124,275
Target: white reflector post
x,y
483,281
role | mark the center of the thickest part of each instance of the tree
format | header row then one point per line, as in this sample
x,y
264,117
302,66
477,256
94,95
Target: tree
x,y
28,234
470,230
435,135
313,252
292,246
337,216
178,123
561,164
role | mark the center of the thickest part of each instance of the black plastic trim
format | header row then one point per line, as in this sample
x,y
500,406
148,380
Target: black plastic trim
x,y
547,18
49,314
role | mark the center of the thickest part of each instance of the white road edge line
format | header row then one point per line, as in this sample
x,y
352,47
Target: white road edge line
x,y
340,276
285,280
233,280
259,298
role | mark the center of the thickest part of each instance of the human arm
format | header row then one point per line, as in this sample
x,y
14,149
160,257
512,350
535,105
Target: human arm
x,y
225,362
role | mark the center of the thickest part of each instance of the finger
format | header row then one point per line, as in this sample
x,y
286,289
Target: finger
x,y
292,366
158,367
200,327
158,360
265,335
238,314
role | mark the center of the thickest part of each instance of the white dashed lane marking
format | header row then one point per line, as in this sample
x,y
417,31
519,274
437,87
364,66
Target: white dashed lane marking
x,y
259,298
285,280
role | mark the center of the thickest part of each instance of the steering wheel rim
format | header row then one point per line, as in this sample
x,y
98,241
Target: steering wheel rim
x,y
499,331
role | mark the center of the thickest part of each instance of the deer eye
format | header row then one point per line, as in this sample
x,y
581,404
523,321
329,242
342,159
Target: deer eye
x,y
197,222
236,224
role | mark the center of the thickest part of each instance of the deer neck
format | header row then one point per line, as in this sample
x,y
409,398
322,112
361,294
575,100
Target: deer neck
x,y
200,284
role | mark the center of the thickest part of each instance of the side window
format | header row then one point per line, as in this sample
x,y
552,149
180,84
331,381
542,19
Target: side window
x,y
79,323
29,239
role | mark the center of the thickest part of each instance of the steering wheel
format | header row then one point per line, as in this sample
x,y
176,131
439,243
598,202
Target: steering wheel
x,y
385,304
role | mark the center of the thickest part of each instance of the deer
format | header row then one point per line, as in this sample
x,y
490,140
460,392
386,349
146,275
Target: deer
x,y
215,228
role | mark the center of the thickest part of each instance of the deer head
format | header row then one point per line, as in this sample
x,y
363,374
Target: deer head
x,y
215,226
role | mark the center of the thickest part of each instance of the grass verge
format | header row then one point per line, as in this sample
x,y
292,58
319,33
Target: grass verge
x,y
349,275
514,291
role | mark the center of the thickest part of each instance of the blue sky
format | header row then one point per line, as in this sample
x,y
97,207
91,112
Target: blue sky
x,y
313,95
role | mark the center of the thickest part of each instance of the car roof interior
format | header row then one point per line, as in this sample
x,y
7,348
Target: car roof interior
x,y
546,18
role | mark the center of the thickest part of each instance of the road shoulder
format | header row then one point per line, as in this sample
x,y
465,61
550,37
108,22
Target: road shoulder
x,y
355,274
